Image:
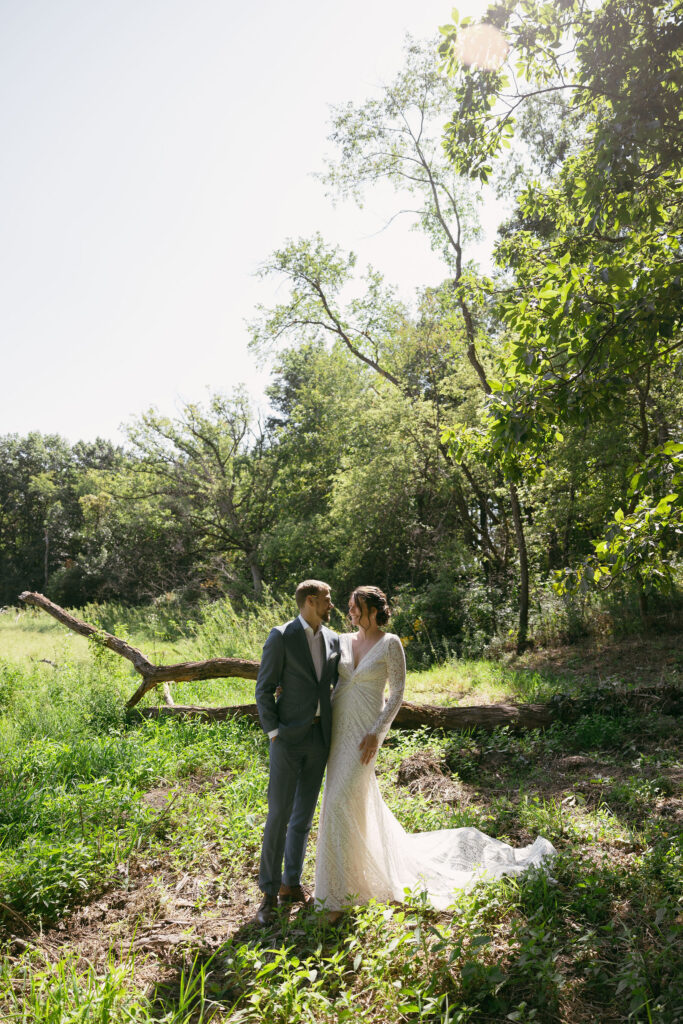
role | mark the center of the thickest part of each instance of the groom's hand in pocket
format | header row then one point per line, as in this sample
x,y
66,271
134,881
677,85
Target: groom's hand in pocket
x,y
278,692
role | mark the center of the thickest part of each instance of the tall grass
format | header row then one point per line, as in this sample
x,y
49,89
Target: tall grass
x,y
65,993
224,631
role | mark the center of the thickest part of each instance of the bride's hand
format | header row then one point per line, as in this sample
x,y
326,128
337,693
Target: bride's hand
x,y
368,748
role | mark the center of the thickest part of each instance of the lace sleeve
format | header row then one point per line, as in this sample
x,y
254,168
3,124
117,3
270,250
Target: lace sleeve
x,y
396,675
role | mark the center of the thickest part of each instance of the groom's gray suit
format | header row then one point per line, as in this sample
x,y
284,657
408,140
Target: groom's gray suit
x,y
298,753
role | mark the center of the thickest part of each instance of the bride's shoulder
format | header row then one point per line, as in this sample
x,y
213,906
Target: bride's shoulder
x,y
392,640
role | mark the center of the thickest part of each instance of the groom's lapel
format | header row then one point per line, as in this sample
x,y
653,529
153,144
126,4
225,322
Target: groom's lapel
x,y
326,653
300,638
329,638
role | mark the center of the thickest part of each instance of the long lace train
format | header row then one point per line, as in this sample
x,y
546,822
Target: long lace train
x,y
363,850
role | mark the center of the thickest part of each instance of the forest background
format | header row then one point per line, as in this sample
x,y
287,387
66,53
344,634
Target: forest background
x,y
504,457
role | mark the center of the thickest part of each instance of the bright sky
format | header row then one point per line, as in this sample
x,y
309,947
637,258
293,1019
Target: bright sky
x,y
154,153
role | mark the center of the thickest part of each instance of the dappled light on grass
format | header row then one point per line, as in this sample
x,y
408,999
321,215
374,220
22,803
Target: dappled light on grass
x,y
482,681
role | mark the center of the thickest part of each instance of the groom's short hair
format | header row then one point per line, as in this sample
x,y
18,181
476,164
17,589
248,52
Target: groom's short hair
x,y
309,588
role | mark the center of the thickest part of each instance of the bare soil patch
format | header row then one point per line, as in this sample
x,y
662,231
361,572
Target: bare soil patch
x,y
637,660
426,773
157,907
159,797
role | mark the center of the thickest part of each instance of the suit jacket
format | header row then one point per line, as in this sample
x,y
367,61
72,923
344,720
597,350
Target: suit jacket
x,y
286,661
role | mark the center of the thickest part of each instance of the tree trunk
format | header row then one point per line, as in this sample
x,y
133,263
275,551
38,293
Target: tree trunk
x,y
256,576
523,622
152,675
568,526
410,716
642,601
666,700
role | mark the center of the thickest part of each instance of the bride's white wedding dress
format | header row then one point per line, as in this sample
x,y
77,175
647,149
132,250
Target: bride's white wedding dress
x,y
363,851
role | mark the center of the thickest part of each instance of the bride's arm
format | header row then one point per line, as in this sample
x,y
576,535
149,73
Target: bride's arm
x,y
396,674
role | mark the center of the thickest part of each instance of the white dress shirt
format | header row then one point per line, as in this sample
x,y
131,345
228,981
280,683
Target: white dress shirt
x,y
315,643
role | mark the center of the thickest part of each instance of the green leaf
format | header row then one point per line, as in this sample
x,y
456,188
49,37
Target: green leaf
x,y
665,504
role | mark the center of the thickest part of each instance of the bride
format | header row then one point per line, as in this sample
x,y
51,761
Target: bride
x,y
363,852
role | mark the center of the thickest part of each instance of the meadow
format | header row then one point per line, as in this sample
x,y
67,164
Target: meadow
x,y
129,847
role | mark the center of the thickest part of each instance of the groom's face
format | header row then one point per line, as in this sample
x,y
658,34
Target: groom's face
x,y
322,605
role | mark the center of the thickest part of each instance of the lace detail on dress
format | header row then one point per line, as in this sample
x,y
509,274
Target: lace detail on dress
x,y
363,850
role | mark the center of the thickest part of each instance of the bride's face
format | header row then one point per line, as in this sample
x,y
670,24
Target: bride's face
x,y
359,616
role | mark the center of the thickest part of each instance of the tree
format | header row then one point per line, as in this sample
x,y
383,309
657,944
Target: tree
x,y
395,138
365,493
594,310
133,548
214,470
41,520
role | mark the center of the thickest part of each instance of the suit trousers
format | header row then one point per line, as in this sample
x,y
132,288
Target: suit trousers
x,y
296,774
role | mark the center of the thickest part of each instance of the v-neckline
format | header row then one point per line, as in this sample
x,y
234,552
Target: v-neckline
x,y
356,667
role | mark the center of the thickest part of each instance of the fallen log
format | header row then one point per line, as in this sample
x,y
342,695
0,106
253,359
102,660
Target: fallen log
x,y
409,716
664,699
483,716
211,714
152,675
140,662
189,671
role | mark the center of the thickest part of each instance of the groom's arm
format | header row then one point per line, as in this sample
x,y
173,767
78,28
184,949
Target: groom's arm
x,y
268,678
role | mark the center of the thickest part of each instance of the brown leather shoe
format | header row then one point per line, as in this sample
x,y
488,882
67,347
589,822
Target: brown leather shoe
x,y
266,912
295,894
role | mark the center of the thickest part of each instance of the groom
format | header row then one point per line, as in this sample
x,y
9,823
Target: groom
x,y
302,658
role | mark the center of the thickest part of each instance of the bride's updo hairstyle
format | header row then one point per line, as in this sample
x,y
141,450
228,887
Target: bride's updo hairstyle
x,y
372,597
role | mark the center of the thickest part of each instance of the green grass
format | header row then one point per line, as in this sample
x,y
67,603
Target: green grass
x,y
157,823
29,636
43,992
483,682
